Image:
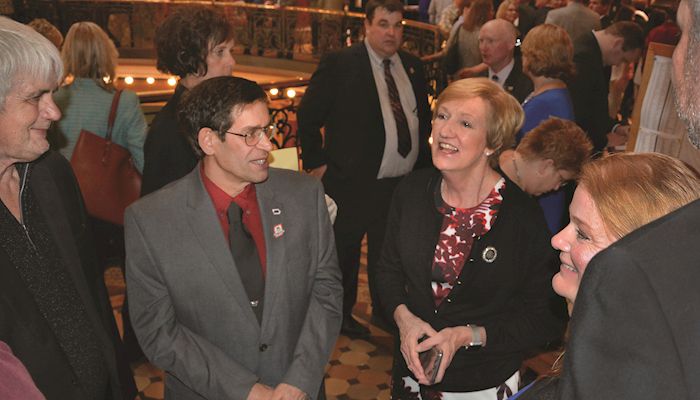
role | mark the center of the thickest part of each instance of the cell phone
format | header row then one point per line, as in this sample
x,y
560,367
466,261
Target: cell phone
x,y
430,361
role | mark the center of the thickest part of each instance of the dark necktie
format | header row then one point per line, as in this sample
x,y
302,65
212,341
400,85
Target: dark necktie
x,y
245,255
495,78
402,131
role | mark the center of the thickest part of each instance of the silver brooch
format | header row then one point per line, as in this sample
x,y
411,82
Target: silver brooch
x,y
489,254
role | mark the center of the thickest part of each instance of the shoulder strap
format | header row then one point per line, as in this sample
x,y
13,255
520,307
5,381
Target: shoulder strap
x,y
113,114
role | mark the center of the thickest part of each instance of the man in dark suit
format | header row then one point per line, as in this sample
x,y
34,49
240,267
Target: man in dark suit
x,y
497,46
594,53
232,272
54,310
635,328
371,101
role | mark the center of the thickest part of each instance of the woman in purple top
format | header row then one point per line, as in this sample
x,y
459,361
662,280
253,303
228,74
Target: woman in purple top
x,y
547,55
15,382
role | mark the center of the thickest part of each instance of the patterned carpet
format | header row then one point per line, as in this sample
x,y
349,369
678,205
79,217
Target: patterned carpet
x,y
358,369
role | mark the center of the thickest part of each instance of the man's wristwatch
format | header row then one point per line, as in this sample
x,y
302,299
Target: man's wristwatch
x,y
476,341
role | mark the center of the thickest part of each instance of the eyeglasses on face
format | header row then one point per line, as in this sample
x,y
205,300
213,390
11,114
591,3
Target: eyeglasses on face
x,y
253,136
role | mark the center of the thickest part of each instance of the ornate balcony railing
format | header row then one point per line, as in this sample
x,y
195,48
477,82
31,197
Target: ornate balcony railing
x,y
279,31
268,31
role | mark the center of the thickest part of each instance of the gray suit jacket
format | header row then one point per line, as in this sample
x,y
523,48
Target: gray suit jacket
x,y
575,18
188,306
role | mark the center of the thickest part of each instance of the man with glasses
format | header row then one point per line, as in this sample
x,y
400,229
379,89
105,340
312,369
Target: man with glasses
x,y
233,278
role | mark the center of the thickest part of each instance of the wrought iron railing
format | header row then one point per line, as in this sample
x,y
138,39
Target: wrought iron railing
x,y
278,32
289,32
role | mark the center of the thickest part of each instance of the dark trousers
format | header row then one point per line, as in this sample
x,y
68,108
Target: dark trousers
x,y
362,209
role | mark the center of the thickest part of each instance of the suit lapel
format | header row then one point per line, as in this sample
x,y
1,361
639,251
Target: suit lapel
x,y
272,215
206,229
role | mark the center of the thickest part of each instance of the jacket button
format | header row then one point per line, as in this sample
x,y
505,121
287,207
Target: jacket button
x,y
459,282
449,300
263,347
471,260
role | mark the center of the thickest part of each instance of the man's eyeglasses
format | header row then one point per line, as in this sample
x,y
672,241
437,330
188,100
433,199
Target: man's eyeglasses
x,y
254,135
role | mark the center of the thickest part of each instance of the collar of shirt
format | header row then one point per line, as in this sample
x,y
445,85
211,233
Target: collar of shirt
x,y
376,59
503,73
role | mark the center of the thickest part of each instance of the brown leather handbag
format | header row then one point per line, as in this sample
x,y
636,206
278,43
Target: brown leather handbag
x,y
106,173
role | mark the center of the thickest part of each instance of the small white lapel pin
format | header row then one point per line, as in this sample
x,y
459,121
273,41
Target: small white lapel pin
x,y
276,211
489,254
278,231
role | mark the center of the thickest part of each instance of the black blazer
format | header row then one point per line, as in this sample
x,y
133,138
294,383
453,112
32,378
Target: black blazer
x,y
589,91
342,99
167,154
511,296
635,325
23,327
517,84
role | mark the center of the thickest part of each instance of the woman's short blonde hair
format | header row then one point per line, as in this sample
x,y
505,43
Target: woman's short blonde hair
x,y
504,116
631,190
89,53
548,52
503,8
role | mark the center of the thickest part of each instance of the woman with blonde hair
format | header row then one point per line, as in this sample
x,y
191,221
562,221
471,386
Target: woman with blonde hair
x,y
615,196
508,10
90,59
466,262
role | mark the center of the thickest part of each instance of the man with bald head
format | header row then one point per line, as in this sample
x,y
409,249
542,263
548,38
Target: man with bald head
x,y
637,314
497,46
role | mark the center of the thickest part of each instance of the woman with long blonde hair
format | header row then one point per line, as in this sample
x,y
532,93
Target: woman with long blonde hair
x,y
90,59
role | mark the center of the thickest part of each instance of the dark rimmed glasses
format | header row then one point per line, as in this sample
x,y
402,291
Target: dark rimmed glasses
x,y
254,135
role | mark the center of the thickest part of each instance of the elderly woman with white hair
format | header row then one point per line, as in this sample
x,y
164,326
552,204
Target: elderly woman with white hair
x,y
54,310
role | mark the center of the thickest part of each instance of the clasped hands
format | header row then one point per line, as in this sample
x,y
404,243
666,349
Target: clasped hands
x,y
283,391
412,329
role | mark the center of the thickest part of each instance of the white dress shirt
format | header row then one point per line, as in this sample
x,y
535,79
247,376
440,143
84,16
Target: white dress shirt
x,y
393,164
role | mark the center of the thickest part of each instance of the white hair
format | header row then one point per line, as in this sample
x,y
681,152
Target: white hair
x,y
25,53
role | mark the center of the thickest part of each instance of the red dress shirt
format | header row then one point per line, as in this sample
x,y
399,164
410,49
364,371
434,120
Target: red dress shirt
x,y
247,200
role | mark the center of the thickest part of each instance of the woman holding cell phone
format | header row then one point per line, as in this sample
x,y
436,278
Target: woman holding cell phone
x,y
466,264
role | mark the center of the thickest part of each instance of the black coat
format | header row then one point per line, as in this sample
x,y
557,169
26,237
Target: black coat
x,y
511,297
342,98
517,84
22,325
635,325
589,91
167,154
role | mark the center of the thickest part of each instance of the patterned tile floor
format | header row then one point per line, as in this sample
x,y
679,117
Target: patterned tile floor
x,y
358,369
